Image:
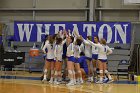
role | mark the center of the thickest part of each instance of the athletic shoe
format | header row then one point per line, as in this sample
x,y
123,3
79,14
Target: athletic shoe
x,y
95,80
51,81
44,80
56,82
91,79
105,80
70,83
75,83
78,83
59,80
62,82
81,81
99,82
67,79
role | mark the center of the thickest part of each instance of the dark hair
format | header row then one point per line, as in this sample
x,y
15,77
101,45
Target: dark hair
x,y
72,39
97,38
78,42
58,40
89,37
46,37
51,39
82,54
54,36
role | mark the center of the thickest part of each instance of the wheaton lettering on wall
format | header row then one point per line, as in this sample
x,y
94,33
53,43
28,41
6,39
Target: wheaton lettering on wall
x,y
113,32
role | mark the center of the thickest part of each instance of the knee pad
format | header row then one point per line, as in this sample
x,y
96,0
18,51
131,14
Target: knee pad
x,y
100,71
106,71
69,71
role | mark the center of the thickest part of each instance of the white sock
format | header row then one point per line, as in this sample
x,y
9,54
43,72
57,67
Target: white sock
x,y
81,79
71,80
45,76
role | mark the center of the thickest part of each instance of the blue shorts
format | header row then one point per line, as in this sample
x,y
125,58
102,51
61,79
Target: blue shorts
x,y
103,60
88,58
86,70
50,60
76,60
71,58
58,61
95,56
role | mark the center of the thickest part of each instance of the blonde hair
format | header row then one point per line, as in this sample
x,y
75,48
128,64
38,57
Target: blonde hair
x,y
103,41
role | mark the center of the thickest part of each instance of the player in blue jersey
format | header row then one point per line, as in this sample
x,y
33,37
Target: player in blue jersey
x,y
83,65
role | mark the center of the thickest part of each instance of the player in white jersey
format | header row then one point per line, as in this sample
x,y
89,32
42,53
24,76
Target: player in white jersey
x,y
77,52
49,45
103,51
95,55
58,51
88,53
70,62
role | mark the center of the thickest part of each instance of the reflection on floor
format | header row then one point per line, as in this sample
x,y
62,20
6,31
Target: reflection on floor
x,y
32,86
25,75
26,82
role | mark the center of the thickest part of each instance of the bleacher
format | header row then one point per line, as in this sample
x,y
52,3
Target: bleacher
x,y
31,63
120,52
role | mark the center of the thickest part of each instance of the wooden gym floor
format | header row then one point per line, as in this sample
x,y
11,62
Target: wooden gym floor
x,y
22,85
35,86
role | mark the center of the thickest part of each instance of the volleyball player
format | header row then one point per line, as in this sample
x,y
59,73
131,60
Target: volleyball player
x,y
83,65
49,65
70,62
58,51
87,49
95,56
103,51
77,52
58,58
44,55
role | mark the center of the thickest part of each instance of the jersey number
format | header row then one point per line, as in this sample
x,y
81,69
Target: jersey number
x,y
105,49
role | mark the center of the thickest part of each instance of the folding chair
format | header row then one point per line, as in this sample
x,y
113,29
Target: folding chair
x,y
122,69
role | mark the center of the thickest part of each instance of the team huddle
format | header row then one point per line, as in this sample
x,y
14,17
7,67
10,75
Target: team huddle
x,y
81,58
